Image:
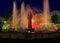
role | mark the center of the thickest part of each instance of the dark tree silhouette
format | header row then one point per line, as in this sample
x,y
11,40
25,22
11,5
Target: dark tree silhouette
x,y
8,14
55,18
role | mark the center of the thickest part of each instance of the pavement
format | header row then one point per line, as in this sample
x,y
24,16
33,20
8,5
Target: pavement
x,y
26,35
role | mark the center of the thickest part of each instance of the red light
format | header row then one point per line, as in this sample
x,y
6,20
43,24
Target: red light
x,y
12,26
34,24
53,29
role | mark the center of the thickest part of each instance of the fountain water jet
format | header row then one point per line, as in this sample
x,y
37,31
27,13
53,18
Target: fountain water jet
x,y
15,16
46,16
23,17
23,20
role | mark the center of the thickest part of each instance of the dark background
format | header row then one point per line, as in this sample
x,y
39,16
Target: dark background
x,y
6,5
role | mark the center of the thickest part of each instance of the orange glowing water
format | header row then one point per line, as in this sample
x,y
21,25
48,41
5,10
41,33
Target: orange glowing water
x,y
23,16
38,21
15,17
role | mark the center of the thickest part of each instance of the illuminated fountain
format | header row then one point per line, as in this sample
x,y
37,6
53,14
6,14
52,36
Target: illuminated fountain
x,y
42,20
15,15
19,20
46,22
45,17
28,19
23,17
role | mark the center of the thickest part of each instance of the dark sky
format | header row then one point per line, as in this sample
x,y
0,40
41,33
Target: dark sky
x,y
6,5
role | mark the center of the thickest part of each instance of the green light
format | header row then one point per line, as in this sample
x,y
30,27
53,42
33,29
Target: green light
x,y
55,27
5,27
4,30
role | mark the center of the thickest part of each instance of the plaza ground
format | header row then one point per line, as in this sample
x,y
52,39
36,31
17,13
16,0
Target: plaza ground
x,y
26,35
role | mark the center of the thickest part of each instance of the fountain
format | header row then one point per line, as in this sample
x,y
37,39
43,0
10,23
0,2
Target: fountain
x,y
15,16
46,17
23,16
26,17
46,13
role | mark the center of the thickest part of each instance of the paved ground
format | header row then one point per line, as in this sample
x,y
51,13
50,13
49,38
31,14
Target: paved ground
x,y
25,35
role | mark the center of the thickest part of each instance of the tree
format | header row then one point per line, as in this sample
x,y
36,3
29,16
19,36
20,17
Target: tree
x,y
8,14
55,16
1,19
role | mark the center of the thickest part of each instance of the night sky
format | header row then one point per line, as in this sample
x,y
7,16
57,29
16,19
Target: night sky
x,y
6,5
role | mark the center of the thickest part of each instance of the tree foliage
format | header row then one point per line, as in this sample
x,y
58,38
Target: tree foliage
x,y
55,16
8,14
